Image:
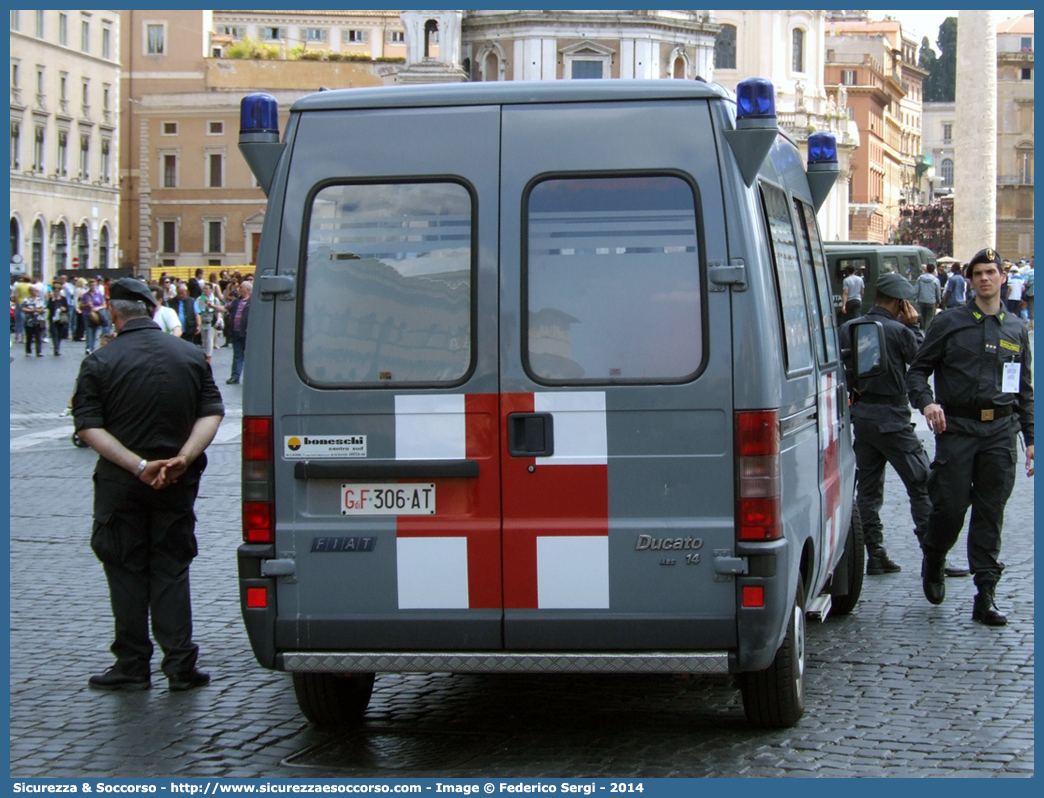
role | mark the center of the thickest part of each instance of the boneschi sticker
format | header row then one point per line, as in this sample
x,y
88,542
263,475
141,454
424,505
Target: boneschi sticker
x,y
316,447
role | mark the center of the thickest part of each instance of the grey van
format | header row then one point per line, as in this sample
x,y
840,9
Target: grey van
x,y
542,377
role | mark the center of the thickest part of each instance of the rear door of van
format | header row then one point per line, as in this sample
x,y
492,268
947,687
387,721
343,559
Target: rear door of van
x,y
386,426
615,358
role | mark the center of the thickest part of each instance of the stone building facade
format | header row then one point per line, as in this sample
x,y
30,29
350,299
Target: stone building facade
x,y
189,198
939,123
787,47
65,110
872,69
563,45
369,34
1015,44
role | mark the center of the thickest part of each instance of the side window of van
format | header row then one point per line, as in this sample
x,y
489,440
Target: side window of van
x,y
911,267
386,297
611,282
826,339
889,263
797,341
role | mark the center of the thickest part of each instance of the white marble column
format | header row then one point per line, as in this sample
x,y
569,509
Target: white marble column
x,y
975,135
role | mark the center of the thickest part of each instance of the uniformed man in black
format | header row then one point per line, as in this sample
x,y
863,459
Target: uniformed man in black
x,y
147,403
881,421
980,356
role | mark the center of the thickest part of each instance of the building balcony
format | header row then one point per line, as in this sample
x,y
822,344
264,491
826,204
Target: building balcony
x,y
16,96
41,103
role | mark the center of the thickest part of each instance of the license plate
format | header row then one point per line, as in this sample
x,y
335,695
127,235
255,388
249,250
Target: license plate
x,y
387,499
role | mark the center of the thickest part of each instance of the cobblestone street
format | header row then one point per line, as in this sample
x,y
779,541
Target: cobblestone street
x,y
897,688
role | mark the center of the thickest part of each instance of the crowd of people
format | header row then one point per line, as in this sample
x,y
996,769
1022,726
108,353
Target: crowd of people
x,y
210,313
940,288
927,226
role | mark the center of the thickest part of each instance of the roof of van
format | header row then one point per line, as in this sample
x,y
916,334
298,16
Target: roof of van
x,y
510,92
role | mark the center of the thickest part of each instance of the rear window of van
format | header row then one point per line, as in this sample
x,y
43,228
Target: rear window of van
x,y
388,276
612,280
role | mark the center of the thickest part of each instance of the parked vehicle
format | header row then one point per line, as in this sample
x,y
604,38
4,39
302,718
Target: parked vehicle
x,y
871,260
542,377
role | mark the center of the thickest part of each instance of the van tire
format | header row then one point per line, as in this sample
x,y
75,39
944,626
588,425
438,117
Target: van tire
x,y
774,698
855,551
333,699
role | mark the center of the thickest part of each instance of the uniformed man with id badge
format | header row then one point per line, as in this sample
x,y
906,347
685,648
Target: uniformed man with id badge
x,y
980,356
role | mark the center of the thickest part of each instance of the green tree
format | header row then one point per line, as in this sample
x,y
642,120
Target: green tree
x,y
941,84
927,59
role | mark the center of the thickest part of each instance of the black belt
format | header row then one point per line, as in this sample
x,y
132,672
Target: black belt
x,y
878,399
991,413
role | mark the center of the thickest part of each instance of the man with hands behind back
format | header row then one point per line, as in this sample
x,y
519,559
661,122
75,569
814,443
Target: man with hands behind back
x,y
148,404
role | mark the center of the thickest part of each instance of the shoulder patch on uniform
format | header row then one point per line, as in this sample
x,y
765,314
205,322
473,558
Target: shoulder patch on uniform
x,y
1011,346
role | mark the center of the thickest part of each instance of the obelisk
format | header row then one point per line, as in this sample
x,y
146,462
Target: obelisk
x,y
975,135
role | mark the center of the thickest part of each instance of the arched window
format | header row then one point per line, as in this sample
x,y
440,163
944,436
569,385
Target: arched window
x,y
725,48
946,172
83,245
679,68
431,36
61,247
103,248
38,244
797,62
491,67
16,237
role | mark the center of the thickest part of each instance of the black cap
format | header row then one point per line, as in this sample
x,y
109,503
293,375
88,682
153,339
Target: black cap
x,y
895,285
132,290
988,255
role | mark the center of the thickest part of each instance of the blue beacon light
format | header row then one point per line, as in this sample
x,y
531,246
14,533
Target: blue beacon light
x,y
755,99
259,136
259,113
822,149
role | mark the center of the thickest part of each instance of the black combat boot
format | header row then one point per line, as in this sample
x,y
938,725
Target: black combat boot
x,y
933,578
985,609
878,562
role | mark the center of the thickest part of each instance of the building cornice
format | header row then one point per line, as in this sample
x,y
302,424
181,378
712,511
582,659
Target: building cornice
x,y
566,24
69,51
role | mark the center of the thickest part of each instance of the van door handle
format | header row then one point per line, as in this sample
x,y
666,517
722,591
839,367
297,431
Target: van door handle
x,y
531,434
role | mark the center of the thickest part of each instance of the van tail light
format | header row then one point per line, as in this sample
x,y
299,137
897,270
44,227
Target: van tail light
x,y
257,598
258,493
758,479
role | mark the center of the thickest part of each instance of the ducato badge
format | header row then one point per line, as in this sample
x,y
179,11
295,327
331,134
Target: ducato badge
x,y
662,544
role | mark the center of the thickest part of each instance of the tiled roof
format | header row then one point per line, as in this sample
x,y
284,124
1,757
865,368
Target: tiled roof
x,y
1023,24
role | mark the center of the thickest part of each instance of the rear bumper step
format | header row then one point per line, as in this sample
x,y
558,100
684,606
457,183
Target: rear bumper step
x,y
499,662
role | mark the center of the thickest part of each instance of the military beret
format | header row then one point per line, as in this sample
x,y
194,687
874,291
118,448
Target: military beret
x,y
131,290
987,255
895,285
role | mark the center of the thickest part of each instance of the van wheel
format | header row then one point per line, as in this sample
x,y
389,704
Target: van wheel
x,y
333,699
775,697
855,551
